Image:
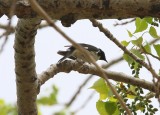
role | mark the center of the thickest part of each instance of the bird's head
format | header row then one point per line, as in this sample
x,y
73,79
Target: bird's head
x,y
102,56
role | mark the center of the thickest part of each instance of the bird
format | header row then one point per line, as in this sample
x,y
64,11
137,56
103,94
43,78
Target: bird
x,y
75,54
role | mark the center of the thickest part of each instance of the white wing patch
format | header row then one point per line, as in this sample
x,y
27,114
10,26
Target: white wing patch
x,y
98,52
86,48
68,49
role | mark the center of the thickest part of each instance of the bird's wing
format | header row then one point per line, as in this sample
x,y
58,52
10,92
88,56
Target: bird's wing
x,y
89,47
64,53
86,46
68,46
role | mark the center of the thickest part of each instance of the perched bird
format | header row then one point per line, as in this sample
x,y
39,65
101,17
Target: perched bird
x,y
75,54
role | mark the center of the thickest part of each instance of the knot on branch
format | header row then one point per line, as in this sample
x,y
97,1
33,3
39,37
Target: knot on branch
x,y
68,19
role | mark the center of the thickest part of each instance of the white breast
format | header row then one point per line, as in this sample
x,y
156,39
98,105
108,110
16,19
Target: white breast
x,y
82,56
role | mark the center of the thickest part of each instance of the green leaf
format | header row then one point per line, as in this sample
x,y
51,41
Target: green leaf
x,y
153,32
125,43
107,108
157,48
128,58
147,48
129,33
100,105
149,20
132,93
137,42
2,102
139,107
141,25
62,112
101,87
7,109
111,107
51,99
137,53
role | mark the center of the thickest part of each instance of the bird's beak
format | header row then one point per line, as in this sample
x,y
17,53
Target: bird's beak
x,y
106,60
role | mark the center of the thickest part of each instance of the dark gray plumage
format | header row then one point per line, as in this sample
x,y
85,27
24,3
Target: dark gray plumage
x,y
74,54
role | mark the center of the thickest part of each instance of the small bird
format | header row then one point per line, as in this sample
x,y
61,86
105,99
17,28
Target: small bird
x,y
75,54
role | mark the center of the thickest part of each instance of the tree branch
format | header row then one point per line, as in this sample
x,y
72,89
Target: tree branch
x,y
69,65
26,78
84,9
124,23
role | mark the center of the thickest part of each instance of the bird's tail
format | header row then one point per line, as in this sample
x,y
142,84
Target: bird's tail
x,y
66,54
63,53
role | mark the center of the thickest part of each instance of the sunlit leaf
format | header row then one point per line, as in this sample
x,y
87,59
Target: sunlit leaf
x,y
107,108
153,32
131,92
100,105
147,48
141,25
7,109
51,99
139,107
149,20
101,87
137,53
46,101
128,58
157,48
2,102
137,42
125,43
129,33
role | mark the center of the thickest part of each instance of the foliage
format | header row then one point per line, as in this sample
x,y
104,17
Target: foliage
x,y
7,109
133,96
49,100
108,104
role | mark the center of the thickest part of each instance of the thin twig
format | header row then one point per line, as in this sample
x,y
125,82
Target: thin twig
x,y
144,51
5,27
112,38
150,95
41,12
43,25
78,91
124,23
85,102
156,57
12,9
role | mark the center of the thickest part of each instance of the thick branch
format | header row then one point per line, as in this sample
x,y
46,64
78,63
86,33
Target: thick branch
x,y
26,78
70,65
83,9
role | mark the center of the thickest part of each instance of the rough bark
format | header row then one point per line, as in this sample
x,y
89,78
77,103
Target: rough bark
x,y
84,9
69,65
26,77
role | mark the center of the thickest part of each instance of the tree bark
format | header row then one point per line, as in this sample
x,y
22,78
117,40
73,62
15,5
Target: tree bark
x,y
85,9
70,65
26,77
